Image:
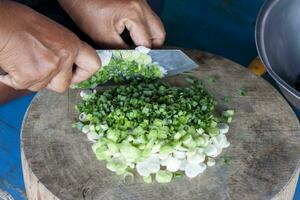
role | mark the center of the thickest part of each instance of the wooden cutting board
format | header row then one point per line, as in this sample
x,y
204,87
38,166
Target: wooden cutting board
x,y
58,162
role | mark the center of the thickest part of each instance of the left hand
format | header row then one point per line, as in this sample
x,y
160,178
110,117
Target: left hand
x,y
105,20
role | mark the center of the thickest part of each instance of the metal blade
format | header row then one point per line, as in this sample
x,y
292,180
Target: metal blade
x,y
173,61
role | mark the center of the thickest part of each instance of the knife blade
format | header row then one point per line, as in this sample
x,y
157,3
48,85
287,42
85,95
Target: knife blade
x,y
174,61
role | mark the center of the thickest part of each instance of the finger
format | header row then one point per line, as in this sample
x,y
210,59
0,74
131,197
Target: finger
x,y
113,40
41,85
62,80
87,63
157,30
9,81
139,32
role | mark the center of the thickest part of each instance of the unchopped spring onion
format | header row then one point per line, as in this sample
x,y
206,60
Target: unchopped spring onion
x,y
123,65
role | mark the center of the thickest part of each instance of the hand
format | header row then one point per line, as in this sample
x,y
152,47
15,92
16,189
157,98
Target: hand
x,y
38,53
105,20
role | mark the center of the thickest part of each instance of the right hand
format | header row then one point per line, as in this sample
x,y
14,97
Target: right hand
x,y
38,53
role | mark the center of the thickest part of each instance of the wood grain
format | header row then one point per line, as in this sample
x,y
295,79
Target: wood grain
x,y
58,162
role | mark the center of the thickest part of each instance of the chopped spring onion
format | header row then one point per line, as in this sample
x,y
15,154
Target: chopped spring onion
x,y
163,176
243,92
154,128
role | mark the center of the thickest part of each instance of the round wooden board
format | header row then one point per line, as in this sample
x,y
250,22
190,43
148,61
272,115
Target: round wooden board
x,y
58,163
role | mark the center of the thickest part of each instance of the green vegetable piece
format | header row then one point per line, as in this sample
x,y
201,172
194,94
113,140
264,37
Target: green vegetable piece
x,y
116,165
163,176
187,140
226,99
229,119
147,179
179,134
226,159
102,153
146,153
130,152
190,81
166,149
113,134
178,175
113,148
242,92
200,141
213,131
212,79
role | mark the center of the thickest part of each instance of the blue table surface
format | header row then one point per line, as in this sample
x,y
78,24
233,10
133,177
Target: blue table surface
x,y
223,27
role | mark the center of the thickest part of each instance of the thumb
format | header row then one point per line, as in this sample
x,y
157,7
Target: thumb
x,y
87,63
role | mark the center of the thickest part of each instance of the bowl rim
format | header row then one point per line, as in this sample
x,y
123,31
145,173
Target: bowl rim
x,y
260,46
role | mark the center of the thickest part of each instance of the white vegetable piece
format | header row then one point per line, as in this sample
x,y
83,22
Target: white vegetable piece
x,y
163,162
183,163
211,150
143,49
153,164
82,117
163,156
85,93
227,144
224,128
210,162
96,146
179,154
156,148
86,129
191,152
148,166
196,158
93,136
193,170
200,150
105,56
220,141
173,164
142,168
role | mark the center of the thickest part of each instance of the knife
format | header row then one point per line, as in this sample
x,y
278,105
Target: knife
x,y
174,61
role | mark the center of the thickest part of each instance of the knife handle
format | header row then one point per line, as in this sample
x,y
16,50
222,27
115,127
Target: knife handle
x,y
2,72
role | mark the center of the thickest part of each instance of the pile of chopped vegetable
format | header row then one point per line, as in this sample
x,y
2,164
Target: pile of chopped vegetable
x,y
152,128
122,65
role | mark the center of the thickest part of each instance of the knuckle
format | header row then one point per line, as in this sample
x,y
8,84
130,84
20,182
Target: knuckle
x,y
64,54
48,64
135,5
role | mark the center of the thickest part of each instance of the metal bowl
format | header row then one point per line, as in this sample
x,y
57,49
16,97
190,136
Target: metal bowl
x,y
278,44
